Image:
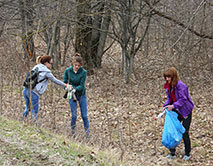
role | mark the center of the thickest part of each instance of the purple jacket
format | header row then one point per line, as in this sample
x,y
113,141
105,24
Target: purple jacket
x,y
183,104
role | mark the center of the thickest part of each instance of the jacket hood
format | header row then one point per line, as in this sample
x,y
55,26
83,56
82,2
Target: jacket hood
x,y
42,67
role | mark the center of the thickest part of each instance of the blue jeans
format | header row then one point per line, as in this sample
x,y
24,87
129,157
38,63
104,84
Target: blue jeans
x,y
82,100
34,103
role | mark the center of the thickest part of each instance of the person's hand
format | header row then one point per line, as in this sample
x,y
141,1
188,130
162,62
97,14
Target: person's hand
x,y
74,90
169,107
69,87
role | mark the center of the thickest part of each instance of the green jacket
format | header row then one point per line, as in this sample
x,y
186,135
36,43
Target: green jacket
x,y
77,80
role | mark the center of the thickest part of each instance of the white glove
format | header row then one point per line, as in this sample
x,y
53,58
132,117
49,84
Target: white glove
x,y
74,90
69,87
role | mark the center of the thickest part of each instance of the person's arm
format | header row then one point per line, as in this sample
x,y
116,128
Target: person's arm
x,y
66,76
81,86
50,76
182,97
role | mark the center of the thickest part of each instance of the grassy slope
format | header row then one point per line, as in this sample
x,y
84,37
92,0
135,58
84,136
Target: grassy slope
x,y
24,145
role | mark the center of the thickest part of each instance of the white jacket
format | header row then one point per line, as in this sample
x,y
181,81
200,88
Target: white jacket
x,y
45,73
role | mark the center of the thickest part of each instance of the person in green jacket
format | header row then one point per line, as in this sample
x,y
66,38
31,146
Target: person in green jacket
x,y
76,75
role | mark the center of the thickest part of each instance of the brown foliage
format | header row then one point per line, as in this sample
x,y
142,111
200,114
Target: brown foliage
x,y
121,115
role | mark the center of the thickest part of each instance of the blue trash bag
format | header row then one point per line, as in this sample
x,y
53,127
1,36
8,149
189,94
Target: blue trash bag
x,y
172,131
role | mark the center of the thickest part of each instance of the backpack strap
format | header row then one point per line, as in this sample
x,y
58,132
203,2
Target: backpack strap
x,y
42,79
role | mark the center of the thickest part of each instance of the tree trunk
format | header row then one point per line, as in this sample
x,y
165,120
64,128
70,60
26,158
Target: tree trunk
x,y
54,43
66,41
96,24
91,31
84,34
26,11
2,29
102,38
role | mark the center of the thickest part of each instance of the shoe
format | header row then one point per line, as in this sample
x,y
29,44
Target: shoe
x,y
25,114
87,136
171,156
73,132
186,157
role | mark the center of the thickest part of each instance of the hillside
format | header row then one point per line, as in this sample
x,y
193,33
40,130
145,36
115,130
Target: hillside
x,y
121,115
22,145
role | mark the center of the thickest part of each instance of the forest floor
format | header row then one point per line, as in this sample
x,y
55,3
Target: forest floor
x,y
122,115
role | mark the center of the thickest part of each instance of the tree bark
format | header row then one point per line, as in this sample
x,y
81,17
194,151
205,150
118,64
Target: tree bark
x,y
84,33
103,37
26,11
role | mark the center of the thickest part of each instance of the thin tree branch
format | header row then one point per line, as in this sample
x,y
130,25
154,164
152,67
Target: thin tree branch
x,y
206,36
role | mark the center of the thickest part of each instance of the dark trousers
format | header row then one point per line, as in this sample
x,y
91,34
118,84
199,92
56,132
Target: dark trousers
x,y
186,124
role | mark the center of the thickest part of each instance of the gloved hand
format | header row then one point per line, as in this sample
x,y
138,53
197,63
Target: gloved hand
x,y
74,90
69,87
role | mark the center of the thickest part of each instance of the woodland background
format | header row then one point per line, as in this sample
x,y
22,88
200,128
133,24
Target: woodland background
x,y
126,46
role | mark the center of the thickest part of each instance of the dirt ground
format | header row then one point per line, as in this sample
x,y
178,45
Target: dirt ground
x,y
122,115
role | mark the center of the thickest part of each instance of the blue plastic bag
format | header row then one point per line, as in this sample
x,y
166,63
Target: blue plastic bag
x,y
172,131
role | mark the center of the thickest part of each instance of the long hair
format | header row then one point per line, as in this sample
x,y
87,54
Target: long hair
x,y
172,72
38,60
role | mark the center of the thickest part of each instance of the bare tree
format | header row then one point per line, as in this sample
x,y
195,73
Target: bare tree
x,y
56,28
175,26
55,43
132,17
93,18
26,11
84,32
100,27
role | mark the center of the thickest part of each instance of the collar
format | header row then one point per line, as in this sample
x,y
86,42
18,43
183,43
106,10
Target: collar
x,y
166,85
79,70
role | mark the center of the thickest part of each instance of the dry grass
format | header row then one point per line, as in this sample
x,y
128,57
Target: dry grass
x,y
122,116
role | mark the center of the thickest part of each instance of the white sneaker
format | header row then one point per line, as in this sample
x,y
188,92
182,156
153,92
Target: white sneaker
x,y
186,157
171,156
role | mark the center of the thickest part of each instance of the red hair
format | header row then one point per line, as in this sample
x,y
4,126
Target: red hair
x,y
172,72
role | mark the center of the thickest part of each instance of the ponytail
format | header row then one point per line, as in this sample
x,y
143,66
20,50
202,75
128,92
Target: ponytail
x,y
38,60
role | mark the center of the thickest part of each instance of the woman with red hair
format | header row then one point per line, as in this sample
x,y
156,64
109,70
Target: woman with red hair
x,y
178,100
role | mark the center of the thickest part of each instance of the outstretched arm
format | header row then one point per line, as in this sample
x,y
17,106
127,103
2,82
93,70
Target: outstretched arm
x,y
55,80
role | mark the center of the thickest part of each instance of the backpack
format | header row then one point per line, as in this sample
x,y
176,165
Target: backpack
x,y
31,79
